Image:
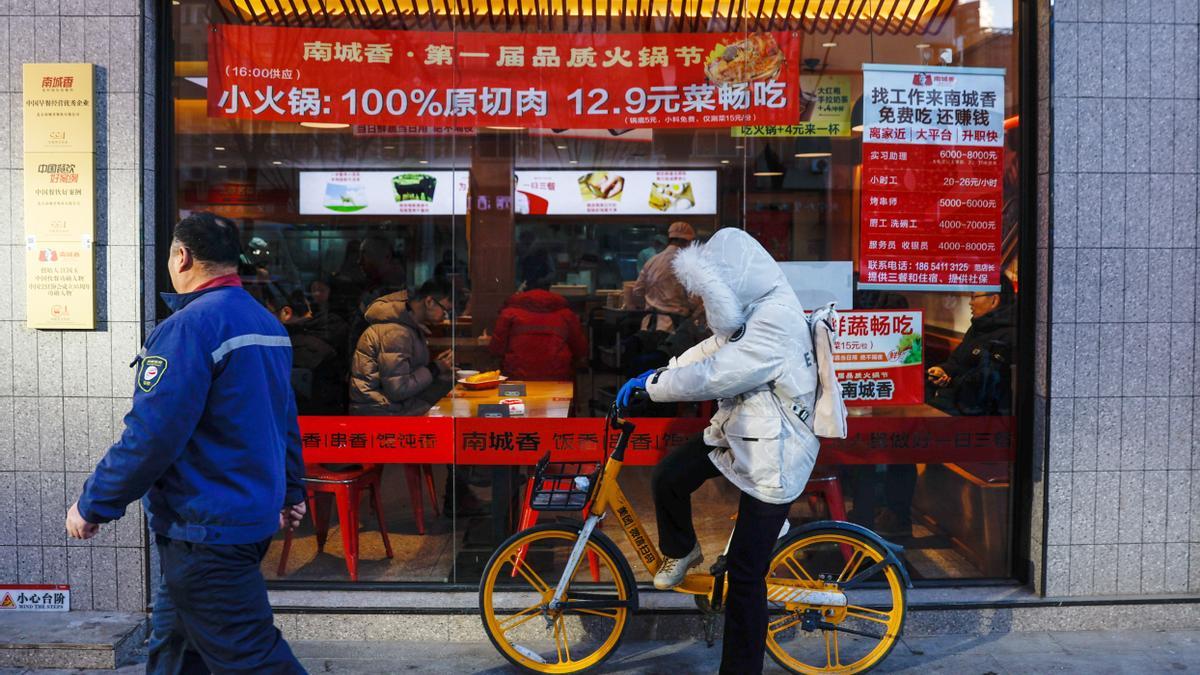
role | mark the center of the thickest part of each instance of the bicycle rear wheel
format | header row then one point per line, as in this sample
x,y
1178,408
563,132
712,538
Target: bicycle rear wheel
x,y
806,638
517,586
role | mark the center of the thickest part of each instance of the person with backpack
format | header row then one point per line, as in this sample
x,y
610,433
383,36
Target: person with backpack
x,y
538,337
773,386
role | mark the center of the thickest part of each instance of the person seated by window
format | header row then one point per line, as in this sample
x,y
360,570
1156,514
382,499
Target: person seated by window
x,y
977,378
318,374
383,273
326,323
538,337
392,372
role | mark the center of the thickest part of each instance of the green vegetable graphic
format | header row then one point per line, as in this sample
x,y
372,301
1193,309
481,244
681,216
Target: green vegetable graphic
x,y
910,348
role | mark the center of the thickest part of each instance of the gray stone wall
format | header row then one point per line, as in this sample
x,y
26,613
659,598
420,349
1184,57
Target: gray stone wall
x,y
63,393
1117,389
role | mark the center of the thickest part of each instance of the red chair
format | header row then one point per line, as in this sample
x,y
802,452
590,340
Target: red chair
x,y
345,488
827,488
413,473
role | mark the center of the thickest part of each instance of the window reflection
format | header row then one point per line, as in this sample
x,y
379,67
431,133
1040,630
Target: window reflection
x,y
491,259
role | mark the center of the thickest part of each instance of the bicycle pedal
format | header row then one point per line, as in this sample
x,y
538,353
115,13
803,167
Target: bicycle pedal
x,y
719,566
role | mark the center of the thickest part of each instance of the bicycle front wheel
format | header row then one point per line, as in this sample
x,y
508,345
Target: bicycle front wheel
x,y
518,584
812,638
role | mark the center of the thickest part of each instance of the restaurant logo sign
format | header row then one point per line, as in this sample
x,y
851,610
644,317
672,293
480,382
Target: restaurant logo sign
x,y
528,80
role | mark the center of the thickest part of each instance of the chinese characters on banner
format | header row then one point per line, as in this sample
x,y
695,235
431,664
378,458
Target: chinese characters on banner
x,y
878,357
59,194
522,442
617,81
525,441
932,178
825,110
377,439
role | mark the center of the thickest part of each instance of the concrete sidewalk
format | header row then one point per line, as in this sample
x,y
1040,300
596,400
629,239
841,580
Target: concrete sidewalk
x,y
1103,652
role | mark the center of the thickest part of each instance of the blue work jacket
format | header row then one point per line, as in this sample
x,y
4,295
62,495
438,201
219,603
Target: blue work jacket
x,y
211,444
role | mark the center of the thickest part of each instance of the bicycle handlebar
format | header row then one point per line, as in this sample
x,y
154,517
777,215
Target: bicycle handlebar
x,y
616,420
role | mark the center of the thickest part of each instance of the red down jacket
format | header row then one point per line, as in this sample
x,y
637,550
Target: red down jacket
x,y
538,337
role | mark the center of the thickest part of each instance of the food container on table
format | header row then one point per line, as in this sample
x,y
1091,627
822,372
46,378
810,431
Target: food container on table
x,y
516,406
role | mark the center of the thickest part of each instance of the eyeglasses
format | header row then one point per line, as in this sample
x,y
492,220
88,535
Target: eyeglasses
x,y
448,310
980,296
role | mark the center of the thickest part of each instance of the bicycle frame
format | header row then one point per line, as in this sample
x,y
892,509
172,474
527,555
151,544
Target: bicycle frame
x,y
609,496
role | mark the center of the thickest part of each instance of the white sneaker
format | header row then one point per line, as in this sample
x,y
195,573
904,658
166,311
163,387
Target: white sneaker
x,y
673,570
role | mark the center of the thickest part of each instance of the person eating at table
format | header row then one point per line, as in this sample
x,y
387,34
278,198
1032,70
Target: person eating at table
x,y
392,371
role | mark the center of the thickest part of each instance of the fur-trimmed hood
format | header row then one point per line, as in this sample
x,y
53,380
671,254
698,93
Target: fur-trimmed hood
x,y
731,272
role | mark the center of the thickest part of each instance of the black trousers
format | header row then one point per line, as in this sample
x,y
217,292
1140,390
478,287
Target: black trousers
x,y
676,477
211,613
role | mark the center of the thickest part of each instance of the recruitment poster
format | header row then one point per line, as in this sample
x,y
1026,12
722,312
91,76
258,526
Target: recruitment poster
x,y
529,80
879,357
59,194
932,178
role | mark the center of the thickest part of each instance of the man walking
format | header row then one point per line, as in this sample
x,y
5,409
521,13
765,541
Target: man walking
x,y
212,447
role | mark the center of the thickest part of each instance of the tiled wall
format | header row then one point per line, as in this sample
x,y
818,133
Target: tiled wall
x,y
1120,392
62,393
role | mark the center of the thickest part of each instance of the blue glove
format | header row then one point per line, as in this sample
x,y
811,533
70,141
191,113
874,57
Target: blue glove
x,y
625,394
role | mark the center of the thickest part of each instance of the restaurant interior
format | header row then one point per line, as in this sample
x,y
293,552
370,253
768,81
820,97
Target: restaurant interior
x,y
799,195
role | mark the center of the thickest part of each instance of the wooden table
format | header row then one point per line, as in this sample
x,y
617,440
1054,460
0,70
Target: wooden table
x,y
915,410
542,399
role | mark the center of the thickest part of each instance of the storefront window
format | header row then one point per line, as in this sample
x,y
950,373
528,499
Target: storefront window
x,y
432,203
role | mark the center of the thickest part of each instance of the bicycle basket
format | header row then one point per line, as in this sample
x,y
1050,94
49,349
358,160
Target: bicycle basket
x,y
562,486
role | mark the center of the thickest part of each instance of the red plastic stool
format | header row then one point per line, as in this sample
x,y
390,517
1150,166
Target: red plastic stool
x,y
413,473
345,488
826,487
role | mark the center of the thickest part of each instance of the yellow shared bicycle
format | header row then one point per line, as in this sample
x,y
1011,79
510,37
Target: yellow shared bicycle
x,y
558,597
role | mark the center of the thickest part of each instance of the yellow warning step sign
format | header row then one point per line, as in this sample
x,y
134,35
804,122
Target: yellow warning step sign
x,y
8,601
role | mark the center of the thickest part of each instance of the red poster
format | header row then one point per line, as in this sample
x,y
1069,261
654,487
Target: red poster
x,y
879,357
528,80
932,178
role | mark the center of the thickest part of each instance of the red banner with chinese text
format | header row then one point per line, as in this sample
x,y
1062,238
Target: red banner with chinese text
x,y
519,441
553,80
398,440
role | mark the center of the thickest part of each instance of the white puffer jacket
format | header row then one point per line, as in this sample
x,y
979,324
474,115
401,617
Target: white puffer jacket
x,y
759,365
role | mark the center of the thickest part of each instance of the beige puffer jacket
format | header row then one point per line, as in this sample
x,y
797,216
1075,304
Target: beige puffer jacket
x,y
759,365
390,372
